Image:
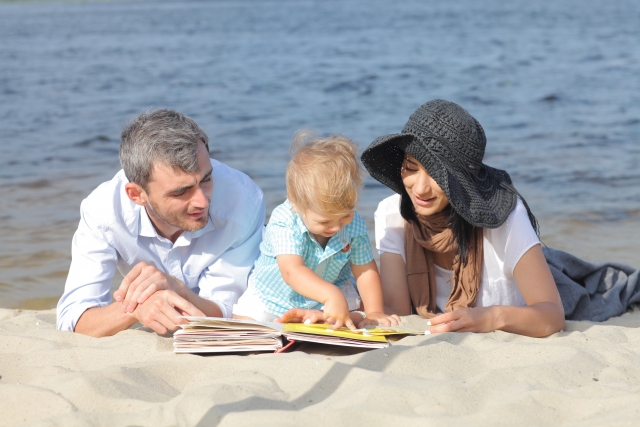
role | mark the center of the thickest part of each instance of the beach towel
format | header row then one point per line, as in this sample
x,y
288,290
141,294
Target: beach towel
x,y
593,292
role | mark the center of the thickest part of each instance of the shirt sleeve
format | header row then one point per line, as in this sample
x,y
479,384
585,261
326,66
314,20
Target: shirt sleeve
x,y
360,250
225,280
515,237
93,264
389,226
282,237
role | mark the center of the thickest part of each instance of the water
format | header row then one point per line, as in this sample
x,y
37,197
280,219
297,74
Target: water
x,y
555,85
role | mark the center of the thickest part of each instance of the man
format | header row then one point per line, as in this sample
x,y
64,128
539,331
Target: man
x,y
182,228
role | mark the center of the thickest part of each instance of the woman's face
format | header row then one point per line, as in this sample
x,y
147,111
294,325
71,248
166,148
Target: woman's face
x,y
426,195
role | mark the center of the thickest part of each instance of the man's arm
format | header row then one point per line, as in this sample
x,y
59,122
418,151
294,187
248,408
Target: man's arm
x,y
85,305
144,280
207,307
222,283
88,285
159,312
104,321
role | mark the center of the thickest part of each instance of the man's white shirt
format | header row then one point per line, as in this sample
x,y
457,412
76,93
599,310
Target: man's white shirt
x,y
213,262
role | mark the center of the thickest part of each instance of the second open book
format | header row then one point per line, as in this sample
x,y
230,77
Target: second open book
x,y
217,335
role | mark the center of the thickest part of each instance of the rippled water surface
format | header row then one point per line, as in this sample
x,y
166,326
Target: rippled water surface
x,y
555,84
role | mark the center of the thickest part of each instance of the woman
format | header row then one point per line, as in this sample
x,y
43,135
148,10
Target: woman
x,y
457,239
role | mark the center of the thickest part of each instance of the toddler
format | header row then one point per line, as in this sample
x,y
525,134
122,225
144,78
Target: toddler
x,y
313,242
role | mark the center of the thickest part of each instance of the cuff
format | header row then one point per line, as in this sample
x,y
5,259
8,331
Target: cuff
x,y
67,320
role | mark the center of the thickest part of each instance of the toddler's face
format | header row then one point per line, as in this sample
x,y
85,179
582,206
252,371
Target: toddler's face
x,y
323,225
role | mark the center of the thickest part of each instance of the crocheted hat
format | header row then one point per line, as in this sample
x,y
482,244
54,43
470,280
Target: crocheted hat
x,y
450,144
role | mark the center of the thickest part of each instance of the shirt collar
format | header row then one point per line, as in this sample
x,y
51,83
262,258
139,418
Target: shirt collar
x,y
146,226
207,228
300,224
340,240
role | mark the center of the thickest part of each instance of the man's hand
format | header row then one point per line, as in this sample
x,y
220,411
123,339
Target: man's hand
x,y
161,310
143,281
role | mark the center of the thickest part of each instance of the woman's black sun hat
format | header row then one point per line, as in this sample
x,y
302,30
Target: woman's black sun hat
x,y
450,144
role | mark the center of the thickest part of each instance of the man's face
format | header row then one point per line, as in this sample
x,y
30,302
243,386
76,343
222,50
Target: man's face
x,y
177,200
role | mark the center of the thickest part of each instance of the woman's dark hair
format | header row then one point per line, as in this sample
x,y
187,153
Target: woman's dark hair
x,y
462,231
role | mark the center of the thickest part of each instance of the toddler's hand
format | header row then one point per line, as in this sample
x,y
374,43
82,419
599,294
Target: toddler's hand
x,y
379,318
301,315
336,312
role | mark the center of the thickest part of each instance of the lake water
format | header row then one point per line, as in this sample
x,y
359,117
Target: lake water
x,y
555,84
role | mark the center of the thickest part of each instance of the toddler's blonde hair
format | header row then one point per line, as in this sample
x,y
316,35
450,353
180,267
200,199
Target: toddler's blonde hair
x,y
323,174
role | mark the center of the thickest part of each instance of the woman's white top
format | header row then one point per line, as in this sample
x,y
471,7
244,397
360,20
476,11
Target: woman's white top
x,y
503,247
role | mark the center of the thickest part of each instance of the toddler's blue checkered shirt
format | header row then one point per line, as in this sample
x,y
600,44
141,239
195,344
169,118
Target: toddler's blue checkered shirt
x,y
287,234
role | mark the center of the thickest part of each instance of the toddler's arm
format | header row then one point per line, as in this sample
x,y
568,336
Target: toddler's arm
x,y
370,289
305,282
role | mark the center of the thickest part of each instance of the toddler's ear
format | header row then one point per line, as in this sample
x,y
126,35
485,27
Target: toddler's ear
x,y
293,205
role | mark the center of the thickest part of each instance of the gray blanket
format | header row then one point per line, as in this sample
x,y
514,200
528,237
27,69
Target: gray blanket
x,y
593,292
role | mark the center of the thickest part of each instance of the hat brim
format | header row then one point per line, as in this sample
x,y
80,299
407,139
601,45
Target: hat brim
x,y
383,159
486,201
484,198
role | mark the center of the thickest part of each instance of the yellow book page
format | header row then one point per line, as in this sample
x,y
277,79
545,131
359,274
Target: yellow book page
x,y
391,330
320,329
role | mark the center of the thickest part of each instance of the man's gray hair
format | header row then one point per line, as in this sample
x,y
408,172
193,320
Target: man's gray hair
x,y
159,136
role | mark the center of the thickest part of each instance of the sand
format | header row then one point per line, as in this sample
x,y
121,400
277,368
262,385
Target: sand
x,y
586,376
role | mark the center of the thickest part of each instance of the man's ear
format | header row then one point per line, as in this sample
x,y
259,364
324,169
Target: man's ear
x,y
136,193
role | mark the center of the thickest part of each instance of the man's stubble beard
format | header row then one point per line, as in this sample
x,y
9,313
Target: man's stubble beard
x,y
173,220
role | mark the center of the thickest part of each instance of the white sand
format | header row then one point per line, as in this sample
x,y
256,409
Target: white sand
x,y
586,376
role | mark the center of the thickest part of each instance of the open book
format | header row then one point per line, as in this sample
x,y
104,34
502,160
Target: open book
x,y
217,335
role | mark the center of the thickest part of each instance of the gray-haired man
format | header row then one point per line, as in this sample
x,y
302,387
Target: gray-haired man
x,y
182,228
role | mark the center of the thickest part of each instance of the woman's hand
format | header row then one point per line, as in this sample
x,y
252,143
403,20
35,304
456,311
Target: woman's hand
x,y
477,319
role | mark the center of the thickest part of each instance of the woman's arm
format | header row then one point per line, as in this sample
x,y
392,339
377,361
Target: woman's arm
x,y
542,316
395,291
368,282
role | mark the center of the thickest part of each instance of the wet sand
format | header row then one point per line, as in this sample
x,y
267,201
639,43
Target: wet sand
x,y
35,238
